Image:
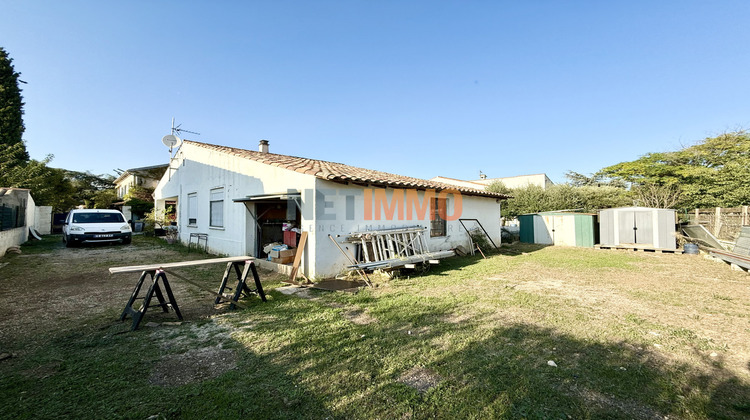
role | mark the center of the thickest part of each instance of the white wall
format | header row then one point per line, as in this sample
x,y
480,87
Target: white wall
x,y
459,182
520,181
199,170
12,237
341,210
43,220
327,207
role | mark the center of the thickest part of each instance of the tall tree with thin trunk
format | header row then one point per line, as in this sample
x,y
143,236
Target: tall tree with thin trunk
x,y
11,110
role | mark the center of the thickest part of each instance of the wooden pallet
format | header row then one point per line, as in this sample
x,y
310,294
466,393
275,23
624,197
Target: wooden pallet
x,y
640,249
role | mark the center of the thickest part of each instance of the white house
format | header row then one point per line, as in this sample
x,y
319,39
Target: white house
x,y
146,177
243,199
520,181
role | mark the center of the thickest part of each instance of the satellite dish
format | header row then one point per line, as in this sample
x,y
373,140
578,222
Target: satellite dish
x,y
171,141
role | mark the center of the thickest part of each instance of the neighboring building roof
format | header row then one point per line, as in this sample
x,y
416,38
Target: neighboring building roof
x,y
154,172
339,172
487,181
511,181
4,191
454,181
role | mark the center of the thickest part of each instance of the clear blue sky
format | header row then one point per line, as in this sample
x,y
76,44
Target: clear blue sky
x,y
418,88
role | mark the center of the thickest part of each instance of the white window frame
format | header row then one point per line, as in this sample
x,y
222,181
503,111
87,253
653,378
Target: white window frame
x,y
216,208
192,209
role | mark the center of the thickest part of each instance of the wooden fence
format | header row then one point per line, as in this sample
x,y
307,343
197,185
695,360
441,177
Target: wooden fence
x,y
724,223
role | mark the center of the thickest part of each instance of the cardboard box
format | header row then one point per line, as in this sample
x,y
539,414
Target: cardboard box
x,y
283,260
288,253
283,254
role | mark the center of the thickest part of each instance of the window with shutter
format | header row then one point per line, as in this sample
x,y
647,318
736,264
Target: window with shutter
x,y
192,206
216,208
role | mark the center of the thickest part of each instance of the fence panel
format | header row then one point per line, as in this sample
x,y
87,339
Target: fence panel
x,y
7,217
724,223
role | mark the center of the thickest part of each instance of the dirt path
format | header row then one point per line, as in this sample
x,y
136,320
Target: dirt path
x,y
64,288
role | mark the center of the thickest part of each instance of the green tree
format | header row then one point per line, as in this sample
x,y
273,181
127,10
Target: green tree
x,y
498,187
535,199
11,164
597,179
604,197
55,190
88,186
711,173
530,199
104,199
48,186
11,110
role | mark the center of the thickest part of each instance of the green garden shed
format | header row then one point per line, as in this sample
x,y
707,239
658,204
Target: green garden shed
x,y
559,228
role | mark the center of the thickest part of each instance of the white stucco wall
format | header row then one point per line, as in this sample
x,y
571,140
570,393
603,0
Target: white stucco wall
x,y
43,220
520,181
343,212
127,213
459,182
199,170
12,237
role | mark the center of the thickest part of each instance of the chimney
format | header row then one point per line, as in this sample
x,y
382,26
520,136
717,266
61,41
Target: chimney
x,y
263,146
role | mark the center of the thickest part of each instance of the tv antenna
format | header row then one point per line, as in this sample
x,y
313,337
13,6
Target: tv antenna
x,y
173,141
178,130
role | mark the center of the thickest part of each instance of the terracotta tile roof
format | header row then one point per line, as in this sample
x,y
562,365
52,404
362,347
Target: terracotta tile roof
x,y
339,172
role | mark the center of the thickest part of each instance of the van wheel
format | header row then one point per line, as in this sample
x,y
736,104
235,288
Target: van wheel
x,y
126,241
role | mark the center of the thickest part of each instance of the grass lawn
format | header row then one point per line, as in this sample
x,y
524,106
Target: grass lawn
x,y
547,333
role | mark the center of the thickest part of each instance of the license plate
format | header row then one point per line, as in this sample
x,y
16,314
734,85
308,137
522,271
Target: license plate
x,y
107,235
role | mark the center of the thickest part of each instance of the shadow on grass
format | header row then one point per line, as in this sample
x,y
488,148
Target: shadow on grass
x,y
483,368
106,373
465,261
302,358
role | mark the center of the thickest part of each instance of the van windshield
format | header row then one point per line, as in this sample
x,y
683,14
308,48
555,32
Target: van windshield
x,y
98,218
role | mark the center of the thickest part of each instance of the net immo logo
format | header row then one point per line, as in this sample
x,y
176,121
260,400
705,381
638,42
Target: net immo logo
x,y
406,205
369,204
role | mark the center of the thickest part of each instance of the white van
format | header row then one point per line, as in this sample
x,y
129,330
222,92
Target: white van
x,y
95,225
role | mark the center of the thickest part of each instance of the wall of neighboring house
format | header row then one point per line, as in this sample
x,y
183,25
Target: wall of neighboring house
x,y
341,210
124,185
131,180
520,181
458,182
19,235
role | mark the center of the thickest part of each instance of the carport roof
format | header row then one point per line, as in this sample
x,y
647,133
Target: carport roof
x,y
260,197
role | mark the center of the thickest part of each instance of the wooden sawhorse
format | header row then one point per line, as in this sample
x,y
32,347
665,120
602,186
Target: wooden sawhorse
x,y
241,287
158,274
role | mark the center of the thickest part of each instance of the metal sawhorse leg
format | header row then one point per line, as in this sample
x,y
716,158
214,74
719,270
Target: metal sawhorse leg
x,y
241,282
156,277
